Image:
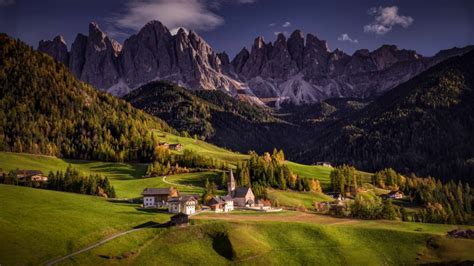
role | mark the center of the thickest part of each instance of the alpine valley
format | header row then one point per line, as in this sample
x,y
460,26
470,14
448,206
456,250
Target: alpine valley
x,y
293,94
156,149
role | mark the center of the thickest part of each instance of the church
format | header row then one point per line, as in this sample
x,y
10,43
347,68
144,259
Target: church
x,y
242,196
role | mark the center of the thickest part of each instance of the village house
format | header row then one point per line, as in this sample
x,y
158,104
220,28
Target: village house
x,y
221,204
158,197
395,195
34,175
326,164
175,147
164,144
183,204
180,220
392,195
242,196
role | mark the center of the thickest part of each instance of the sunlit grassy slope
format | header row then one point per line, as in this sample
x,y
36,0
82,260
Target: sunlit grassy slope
x,y
276,243
37,225
204,148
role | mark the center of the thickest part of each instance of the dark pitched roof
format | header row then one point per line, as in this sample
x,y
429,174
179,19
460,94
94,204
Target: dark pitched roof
x,y
182,198
240,192
227,197
29,172
179,215
394,192
195,196
216,200
156,191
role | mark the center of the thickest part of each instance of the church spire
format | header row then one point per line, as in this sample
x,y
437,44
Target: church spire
x,y
231,184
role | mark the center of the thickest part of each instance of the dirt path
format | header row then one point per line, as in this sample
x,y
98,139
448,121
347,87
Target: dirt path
x,y
291,217
70,255
176,184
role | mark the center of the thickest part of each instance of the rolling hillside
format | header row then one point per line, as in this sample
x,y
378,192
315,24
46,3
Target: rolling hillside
x,y
215,116
40,225
249,238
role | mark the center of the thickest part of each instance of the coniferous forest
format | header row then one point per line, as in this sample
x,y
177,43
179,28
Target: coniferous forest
x,y
44,109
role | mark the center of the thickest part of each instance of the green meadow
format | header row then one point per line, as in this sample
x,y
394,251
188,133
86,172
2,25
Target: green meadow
x,y
38,225
204,148
275,243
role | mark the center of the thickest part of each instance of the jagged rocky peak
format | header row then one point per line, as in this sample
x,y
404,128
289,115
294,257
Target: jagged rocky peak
x,y
77,56
291,68
57,48
388,55
100,66
100,41
296,47
240,59
313,42
224,58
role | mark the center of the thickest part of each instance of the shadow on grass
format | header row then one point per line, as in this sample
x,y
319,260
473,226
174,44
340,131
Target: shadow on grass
x,y
222,245
118,171
152,210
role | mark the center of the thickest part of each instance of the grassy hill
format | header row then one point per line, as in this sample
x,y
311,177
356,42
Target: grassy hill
x,y
125,177
38,225
275,241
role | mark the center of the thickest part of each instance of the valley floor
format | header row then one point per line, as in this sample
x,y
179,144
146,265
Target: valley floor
x,y
42,225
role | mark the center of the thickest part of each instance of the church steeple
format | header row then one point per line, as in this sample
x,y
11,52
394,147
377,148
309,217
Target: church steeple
x,y
231,184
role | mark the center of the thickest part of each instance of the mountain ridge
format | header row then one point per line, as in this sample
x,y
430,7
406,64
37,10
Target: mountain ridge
x,y
424,126
295,69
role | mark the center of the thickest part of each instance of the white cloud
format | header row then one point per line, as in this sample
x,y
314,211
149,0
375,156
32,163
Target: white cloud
x,y
6,2
286,24
192,14
385,18
272,25
345,38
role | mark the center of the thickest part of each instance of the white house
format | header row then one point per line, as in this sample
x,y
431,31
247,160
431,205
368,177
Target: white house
x,y
221,204
158,197
229,203
184,204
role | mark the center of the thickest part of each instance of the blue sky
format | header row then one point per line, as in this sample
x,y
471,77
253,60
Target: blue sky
x,y
424,26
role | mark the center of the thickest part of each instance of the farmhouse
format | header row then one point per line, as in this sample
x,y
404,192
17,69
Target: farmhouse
x,y
392,195
164,144
175,147
183,204
242,196
221,204
327,164
395,195
34,175
158,197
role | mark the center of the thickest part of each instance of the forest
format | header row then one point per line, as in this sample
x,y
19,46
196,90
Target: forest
x,y
270,170
44,109
70,180
438,202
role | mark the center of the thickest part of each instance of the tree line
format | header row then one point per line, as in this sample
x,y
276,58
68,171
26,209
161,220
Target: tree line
x,y
270,170
166,162
70,180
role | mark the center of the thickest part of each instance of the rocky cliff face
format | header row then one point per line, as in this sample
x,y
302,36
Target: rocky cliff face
x,y
57,48
297,69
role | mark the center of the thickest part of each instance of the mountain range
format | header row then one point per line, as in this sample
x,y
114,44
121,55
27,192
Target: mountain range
x,y
296,69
